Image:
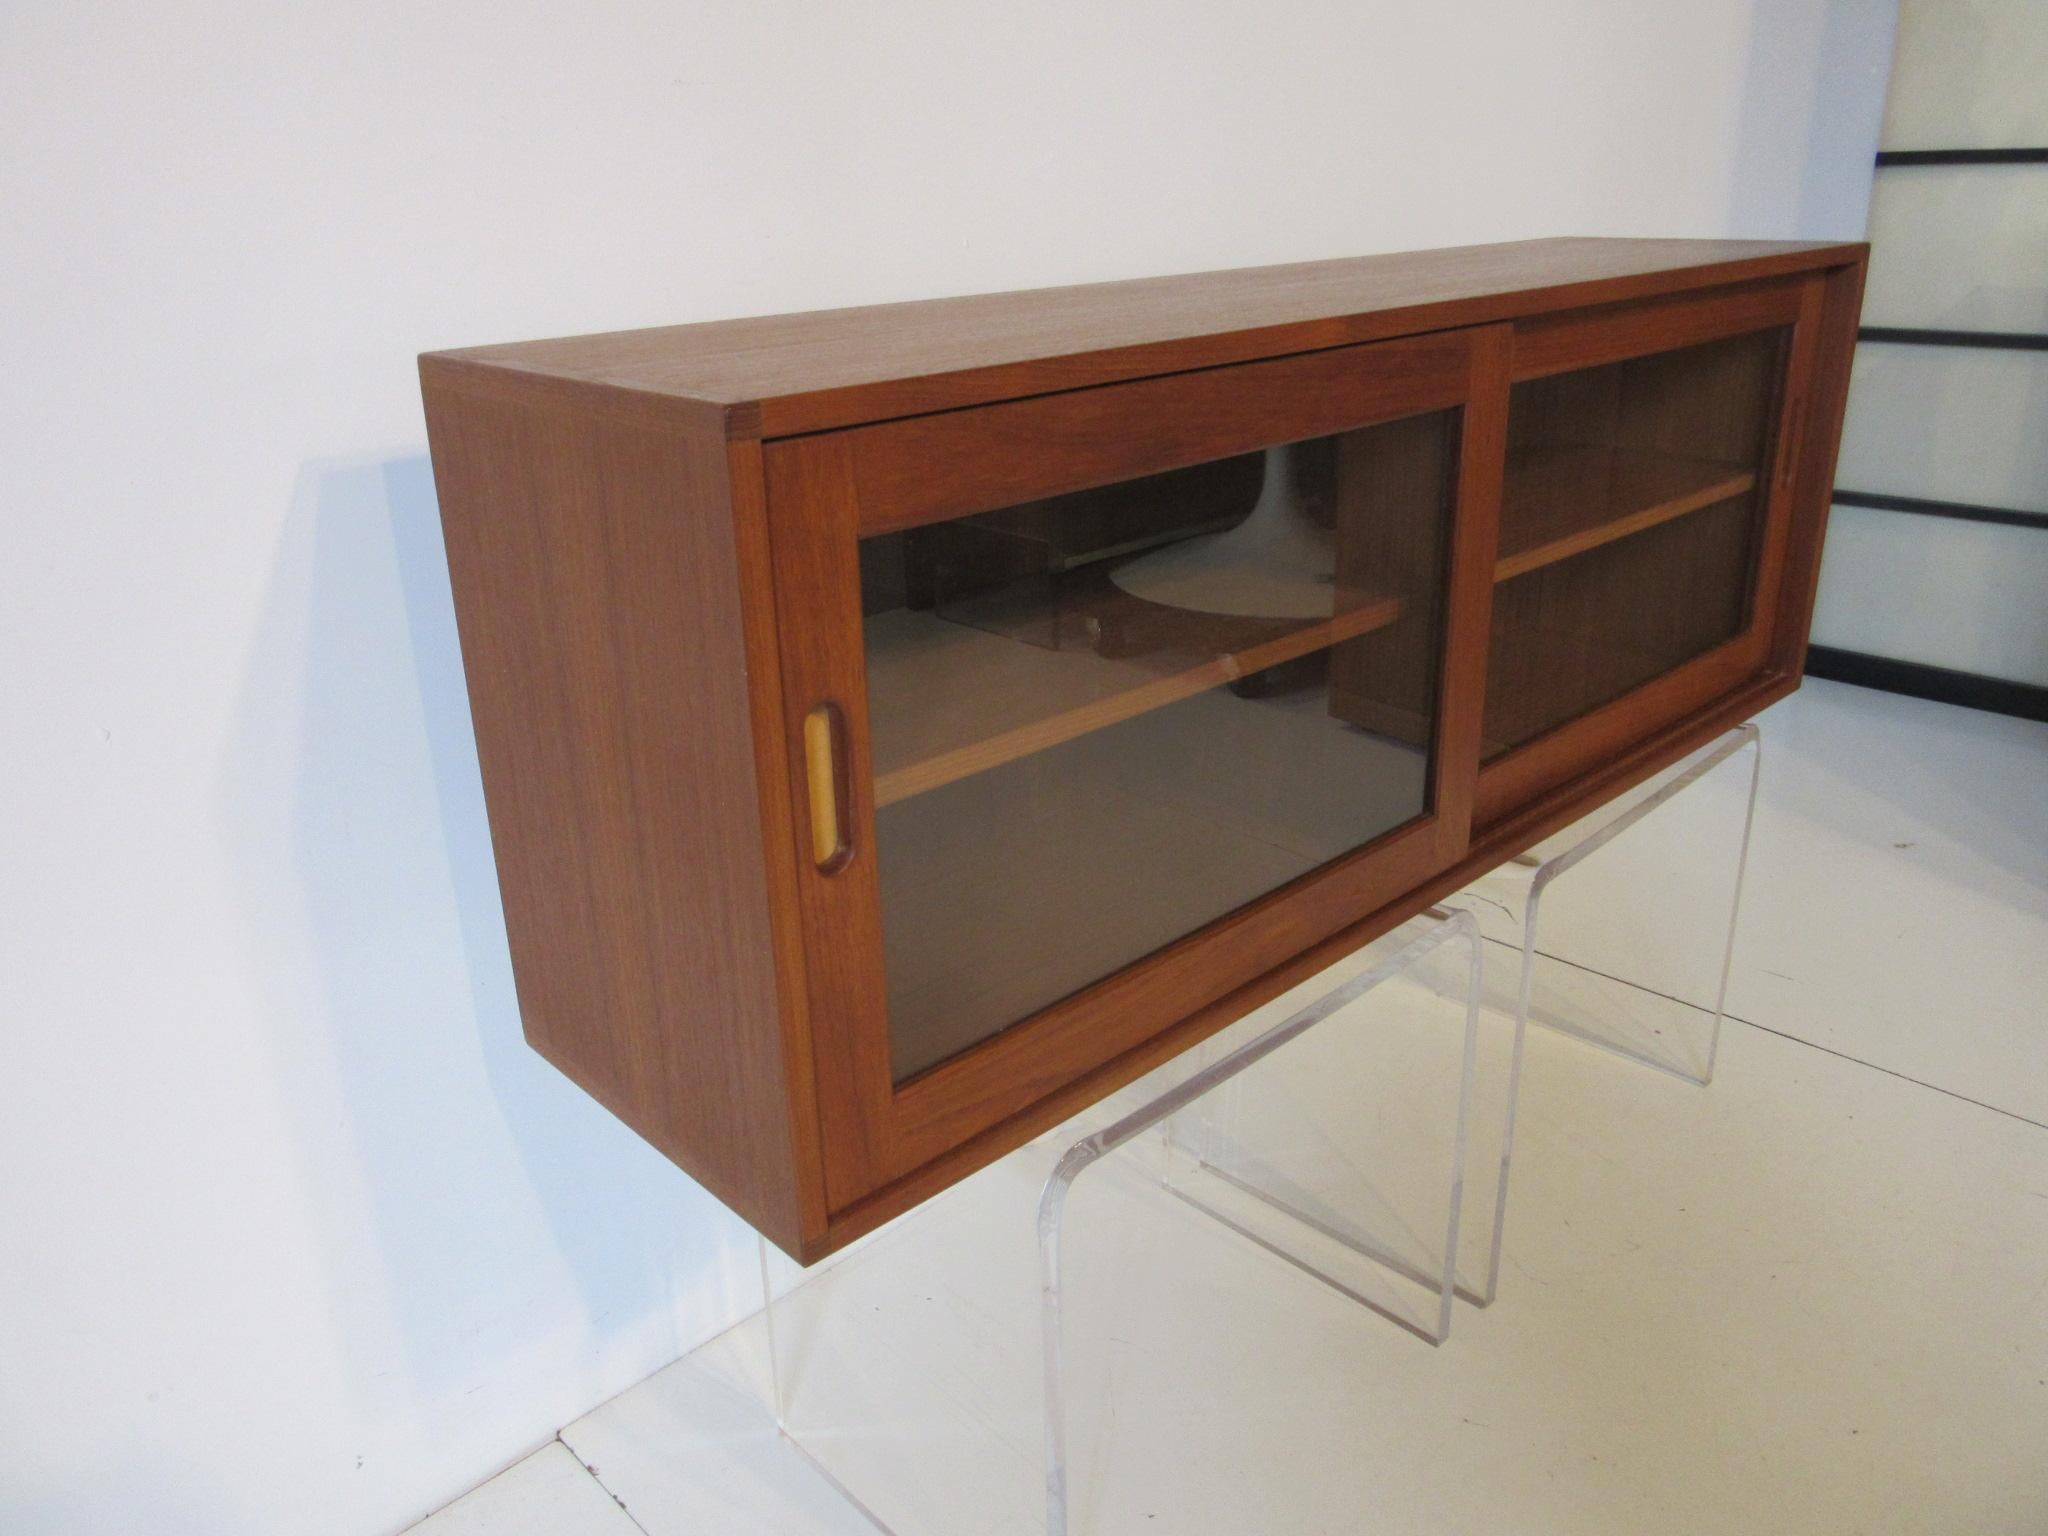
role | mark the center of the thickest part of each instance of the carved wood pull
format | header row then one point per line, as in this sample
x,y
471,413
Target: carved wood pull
x,y
1794,441
825,767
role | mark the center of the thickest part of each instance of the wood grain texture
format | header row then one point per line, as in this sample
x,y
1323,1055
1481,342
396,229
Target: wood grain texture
x,y
596,591
1569,638
812,526
779,833
784,374
1561,342
875,1128
1639,489
1475,546
1630,656
652,600
930,467
1784,449
1626,656
1812,472
1392,485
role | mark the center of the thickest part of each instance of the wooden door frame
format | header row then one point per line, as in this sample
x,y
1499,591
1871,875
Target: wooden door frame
x,y
1552,344
825,490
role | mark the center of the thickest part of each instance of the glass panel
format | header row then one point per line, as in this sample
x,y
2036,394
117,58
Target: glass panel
x,y
1628,527
1102,720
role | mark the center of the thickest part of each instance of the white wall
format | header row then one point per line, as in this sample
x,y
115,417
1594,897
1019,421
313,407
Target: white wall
x,y
295,1235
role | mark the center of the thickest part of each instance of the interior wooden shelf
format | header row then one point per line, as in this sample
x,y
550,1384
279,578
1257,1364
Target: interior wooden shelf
x,y
1561,502
1025,697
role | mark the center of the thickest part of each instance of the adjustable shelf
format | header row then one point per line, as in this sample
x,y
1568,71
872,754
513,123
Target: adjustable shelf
x,y
1030,696
1564,501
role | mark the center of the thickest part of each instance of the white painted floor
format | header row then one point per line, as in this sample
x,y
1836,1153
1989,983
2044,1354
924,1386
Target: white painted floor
x,y
1810,1298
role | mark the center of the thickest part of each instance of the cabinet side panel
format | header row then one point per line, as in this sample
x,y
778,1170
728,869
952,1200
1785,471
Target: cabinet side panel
x,y
1814,483
597,594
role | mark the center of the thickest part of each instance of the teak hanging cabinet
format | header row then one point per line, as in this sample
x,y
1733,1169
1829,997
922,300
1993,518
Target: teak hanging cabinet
x,y
901,726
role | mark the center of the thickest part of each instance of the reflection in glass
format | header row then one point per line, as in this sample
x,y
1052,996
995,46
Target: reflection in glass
x,y
1102,720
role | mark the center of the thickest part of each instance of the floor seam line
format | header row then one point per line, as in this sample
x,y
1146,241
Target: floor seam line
x,y
1904,1077
591,1472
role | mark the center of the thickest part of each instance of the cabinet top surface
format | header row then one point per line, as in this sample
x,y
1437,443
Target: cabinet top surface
x,y
780,374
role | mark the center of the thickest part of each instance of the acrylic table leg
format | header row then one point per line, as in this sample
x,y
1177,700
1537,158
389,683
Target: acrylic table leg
x,y
768,1326
1051,1206
1223,1075
1546,870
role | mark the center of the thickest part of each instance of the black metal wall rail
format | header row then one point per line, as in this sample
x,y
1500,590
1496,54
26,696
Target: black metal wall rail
x,y
1922,336
2019,341
2028,701
1887,157
1916,336
1972,690
1959,511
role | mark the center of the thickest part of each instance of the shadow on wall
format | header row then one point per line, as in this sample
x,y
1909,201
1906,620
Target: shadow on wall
x,y
1824,127
474,1200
